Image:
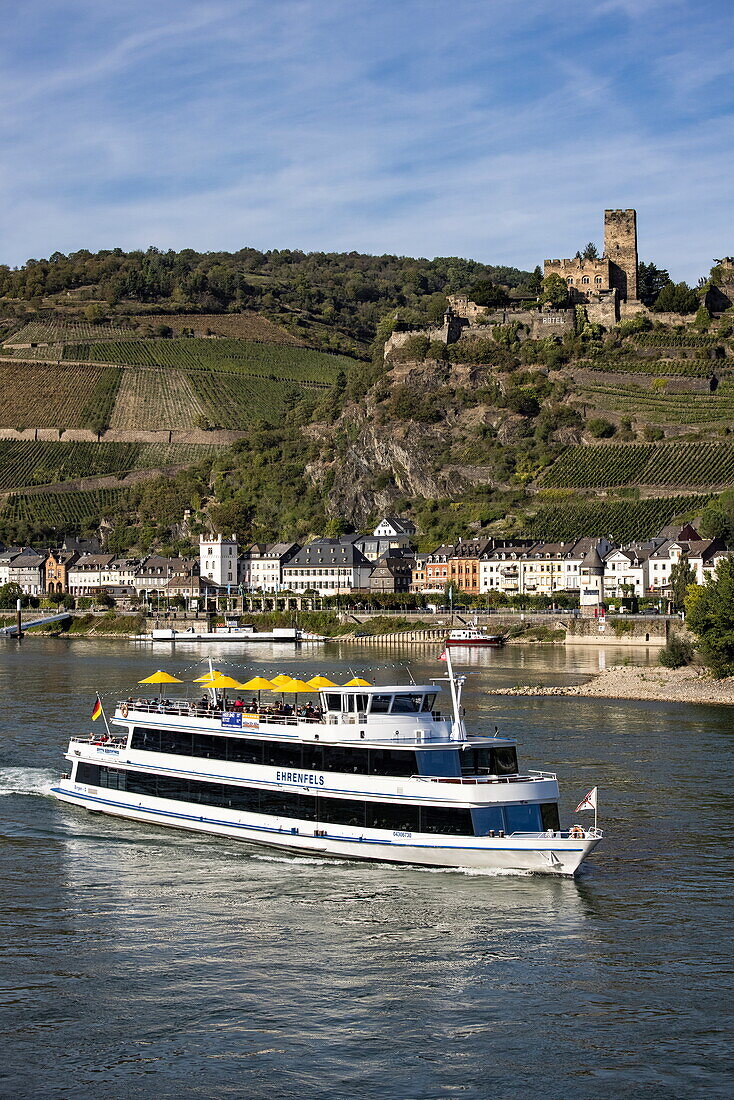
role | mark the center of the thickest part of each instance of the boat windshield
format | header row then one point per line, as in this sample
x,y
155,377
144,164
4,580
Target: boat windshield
x,y
486,760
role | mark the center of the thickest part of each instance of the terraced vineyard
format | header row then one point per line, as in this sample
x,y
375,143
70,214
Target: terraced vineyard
x,y
62,332
664,408
66,512
621,521
29,463
40,397
609,465
233,402
153,399
240,326
282,362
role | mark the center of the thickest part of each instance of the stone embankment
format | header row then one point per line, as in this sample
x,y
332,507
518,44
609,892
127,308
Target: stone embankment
x,y
681,685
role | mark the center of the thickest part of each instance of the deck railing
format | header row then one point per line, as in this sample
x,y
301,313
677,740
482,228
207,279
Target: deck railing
x,y
531,777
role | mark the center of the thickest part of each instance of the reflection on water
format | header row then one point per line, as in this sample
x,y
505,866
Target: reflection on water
x,y
144,962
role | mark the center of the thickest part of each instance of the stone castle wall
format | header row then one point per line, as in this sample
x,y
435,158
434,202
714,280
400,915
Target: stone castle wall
x,y
620,248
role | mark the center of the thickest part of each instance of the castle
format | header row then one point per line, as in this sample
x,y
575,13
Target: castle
x,y
614,274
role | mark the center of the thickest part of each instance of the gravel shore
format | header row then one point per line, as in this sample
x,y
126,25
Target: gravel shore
x,y
680,685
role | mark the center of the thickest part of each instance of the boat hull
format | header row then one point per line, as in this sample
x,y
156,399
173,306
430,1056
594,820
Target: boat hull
x,y
556,856
483,642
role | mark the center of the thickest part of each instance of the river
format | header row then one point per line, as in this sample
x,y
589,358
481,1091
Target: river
x,y
142,962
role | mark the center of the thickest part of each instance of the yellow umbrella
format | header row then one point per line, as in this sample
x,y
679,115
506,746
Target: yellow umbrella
x,y
357,683
296,686
160,678
278,681
222,681
208,677
258,684
321,682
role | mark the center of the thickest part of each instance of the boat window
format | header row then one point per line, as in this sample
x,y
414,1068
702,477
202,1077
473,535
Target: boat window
x,y
361,703
344,811
503,760
380,704
549,816
282,754
333,701
522,819
444,819
429,701
488,818
407,704
392,762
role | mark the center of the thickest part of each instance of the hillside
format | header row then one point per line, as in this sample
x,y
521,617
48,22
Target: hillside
x,y
136,416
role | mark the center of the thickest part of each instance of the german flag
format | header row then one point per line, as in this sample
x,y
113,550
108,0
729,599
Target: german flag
x,y
97,709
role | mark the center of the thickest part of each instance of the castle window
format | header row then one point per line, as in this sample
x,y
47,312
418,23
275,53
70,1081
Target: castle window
x,y
570,281
585,279
598,279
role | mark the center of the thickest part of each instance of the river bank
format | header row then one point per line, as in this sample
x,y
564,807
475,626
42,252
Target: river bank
x,y
666,685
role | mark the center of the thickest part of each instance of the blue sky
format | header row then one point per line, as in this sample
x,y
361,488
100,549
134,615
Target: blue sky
x,y
494,129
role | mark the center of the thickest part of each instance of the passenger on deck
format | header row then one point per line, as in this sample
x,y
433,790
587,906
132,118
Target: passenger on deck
x,y
238,704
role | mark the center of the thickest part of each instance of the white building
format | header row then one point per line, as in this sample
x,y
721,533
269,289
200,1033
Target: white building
x,y
266,565
391,533
329,567
218,559
540,569
28,570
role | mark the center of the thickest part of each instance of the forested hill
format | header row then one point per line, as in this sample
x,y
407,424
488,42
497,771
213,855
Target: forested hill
x,y
346,292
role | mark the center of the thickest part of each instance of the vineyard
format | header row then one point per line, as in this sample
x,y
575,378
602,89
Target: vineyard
x,y
601,466
674,340
621,521
66,512
687,368
238,326
662,408
232,402
38,397
48,332
283,362
27,463
151,399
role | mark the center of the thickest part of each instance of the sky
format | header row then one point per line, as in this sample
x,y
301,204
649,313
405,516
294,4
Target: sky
x,y
492,129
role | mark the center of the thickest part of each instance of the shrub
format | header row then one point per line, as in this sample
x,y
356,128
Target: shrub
x,y
677,652
600,428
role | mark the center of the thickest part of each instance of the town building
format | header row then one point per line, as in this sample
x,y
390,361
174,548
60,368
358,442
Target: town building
x,y
391,533
58,563
266,565
28,571
218,559
84,576
329,567
392,573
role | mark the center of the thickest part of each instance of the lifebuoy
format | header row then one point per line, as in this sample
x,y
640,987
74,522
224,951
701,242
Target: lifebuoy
x,y
124,710
576,832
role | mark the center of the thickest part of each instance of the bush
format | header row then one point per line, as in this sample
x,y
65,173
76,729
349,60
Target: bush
x,y
677,653
600,428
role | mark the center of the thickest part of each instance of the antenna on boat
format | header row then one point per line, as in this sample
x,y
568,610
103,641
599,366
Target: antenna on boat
x,y
456,683
410,674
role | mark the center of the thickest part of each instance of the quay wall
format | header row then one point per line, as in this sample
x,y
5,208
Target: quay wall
x,y
618,631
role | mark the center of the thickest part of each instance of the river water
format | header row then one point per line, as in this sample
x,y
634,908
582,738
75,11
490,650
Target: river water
x,y
143,962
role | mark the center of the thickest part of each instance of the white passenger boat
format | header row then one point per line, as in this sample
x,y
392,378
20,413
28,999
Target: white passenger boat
x,y
372,772
473,636
229,631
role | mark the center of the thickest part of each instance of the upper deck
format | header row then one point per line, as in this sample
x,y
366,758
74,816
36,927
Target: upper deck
x,y
395,715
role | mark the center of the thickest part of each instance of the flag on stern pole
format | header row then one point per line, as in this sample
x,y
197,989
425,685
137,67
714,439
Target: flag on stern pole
x,y
588,802
442,656
96,709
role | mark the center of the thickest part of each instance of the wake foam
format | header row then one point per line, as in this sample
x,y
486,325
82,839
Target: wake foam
x,y
27,780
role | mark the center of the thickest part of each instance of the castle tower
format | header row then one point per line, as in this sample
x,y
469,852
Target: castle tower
x,y
620,248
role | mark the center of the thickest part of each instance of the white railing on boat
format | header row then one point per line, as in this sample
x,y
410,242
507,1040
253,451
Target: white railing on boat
x,y
196,710
531,777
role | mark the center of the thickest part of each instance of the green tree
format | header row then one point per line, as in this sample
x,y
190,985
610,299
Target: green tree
x,y
650,281
681,577
590,252
717,520
555,291
710,615
487,293
9,594
676,298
